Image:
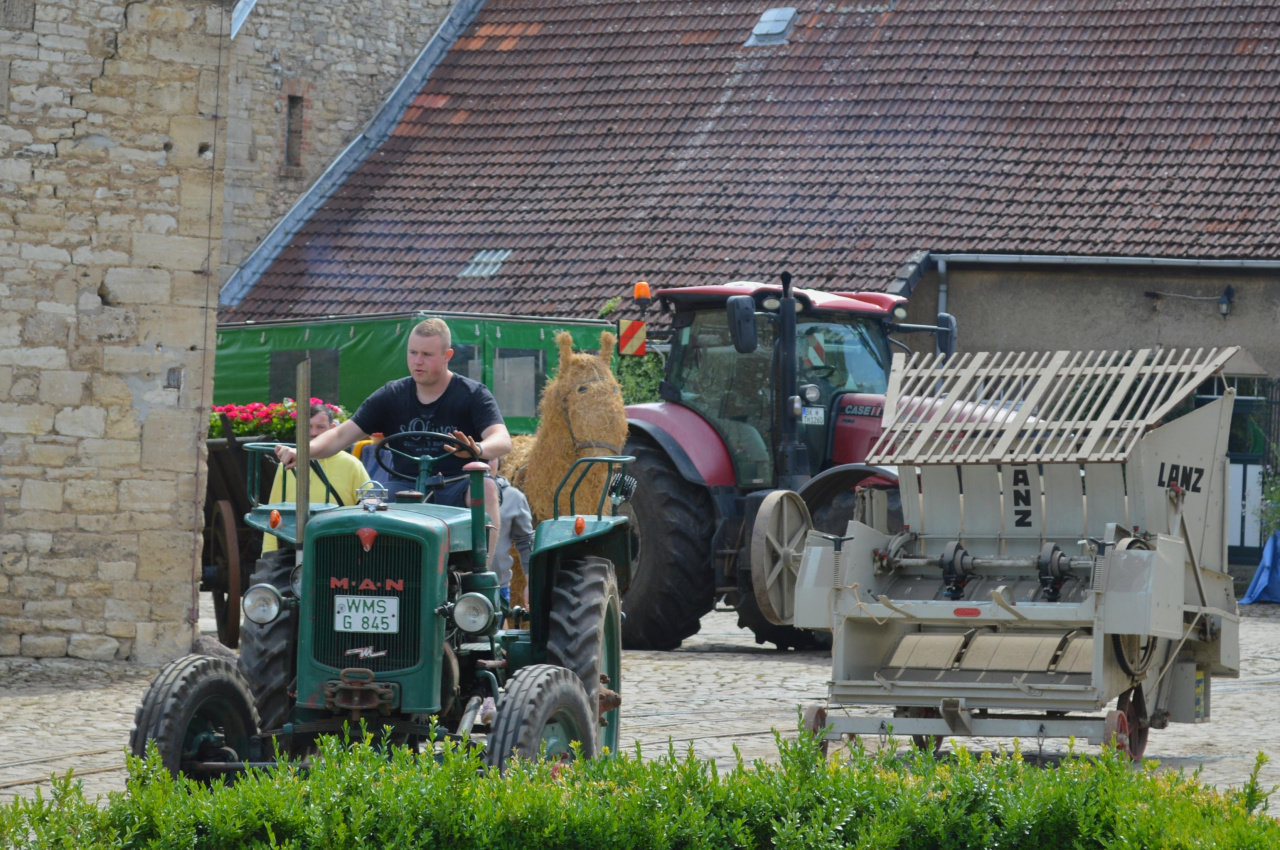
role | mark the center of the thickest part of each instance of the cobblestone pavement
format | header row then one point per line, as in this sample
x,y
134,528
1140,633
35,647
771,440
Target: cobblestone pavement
x,y
719,690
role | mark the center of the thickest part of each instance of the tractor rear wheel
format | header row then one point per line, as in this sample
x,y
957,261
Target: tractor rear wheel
x,y
543,707
672,583
268,653
198,709
585,637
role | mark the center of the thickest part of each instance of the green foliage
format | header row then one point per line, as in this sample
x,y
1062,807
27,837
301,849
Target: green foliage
x,y
358,795
1269,507
639,377
609,306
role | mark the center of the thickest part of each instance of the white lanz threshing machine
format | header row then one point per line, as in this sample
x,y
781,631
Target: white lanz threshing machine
x,y
1063,547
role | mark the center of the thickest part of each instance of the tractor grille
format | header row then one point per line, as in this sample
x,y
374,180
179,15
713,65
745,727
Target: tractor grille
x,y
340,557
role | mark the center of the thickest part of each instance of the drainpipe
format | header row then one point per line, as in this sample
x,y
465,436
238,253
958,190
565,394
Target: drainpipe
x,y
942,285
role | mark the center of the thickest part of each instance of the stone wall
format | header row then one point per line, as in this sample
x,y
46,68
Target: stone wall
x,y
343,61
110,219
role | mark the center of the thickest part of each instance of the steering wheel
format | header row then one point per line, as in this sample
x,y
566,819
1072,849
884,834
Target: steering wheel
x,y
431,462
825,371
268,451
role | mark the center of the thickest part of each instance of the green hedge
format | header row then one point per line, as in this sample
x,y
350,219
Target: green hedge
x,y
356,796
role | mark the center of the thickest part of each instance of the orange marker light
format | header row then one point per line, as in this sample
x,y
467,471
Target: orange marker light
x,y
367,536
579,525
641,290
274,519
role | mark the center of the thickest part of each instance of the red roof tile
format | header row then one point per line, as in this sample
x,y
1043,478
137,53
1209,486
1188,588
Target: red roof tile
x,y
605,142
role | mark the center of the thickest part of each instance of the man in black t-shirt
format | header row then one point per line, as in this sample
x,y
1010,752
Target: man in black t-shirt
x,y
432,398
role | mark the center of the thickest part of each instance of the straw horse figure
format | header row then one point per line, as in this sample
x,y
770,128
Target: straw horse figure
x,y
581,415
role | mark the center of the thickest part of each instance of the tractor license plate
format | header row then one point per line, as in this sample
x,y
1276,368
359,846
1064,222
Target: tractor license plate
x,y
379,614
814,416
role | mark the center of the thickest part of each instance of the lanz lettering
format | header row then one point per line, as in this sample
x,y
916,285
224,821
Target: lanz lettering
x,y
1021,496
1186,477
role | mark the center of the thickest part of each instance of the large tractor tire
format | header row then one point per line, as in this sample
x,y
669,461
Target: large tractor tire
x,y
672,582
543,711
586,635
198,709
784,637
268,653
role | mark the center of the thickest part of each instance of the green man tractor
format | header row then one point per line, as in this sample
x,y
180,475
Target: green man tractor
x,y
387,614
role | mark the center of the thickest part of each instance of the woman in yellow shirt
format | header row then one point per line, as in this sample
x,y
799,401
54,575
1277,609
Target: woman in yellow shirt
x,y
343,470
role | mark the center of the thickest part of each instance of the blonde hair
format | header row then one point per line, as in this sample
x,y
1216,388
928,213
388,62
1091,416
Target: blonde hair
x,y
434,327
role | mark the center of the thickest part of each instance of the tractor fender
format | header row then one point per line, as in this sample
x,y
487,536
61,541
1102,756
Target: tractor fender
x,y
695,448
824,486
556,541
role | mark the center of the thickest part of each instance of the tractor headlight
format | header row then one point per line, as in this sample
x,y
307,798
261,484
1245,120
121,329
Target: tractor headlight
x,y
812,394
473,613
262,603
295,581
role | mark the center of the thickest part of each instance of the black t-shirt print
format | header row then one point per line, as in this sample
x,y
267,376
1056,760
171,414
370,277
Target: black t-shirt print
x,y
465,406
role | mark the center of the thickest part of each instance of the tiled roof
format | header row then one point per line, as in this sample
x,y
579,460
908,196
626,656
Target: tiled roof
x,y
605,142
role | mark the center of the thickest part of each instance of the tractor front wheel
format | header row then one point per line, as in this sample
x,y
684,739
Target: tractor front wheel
x,y
197,710
585,637
543,712
672,583
268,653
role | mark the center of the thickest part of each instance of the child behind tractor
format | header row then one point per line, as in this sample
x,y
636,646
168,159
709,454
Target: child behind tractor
x,y
515,528
344,472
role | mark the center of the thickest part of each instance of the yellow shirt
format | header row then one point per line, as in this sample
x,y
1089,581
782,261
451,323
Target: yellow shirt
x,y
344,472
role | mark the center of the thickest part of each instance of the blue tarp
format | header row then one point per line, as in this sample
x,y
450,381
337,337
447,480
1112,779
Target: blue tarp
x,y
1265,586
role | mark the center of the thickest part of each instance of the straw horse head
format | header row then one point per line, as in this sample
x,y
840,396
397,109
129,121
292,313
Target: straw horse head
x,y
580,415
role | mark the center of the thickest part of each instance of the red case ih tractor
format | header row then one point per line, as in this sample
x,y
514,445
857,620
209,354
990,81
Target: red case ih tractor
x,y
767,388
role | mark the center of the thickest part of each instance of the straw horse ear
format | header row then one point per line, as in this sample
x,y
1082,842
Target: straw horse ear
x,y
565,341
607,342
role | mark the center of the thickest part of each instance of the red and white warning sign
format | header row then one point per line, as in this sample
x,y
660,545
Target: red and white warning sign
x,y
814,352
631,337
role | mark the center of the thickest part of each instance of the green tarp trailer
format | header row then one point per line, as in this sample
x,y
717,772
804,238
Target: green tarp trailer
x,y
351,356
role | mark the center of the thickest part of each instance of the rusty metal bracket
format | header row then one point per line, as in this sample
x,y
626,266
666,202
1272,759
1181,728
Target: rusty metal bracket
x,y
357,691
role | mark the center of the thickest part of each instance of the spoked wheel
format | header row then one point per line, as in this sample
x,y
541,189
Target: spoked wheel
x,y
544,710
198,710
226,588
777,546
1130,703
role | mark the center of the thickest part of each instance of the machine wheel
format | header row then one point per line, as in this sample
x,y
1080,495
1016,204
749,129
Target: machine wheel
x,y
586,637
932,743
198,709
1130,703
814,720
784,637
777,547
672,582
226,590
268,656
1115,733
543,706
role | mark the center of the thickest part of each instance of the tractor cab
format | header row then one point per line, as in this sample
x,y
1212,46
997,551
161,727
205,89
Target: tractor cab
x,y
768,388
840,359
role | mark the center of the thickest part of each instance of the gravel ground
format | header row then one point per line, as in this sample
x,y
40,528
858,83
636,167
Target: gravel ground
x,y
720,690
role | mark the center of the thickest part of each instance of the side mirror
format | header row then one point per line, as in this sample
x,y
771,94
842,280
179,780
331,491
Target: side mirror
x,y
946,334
741,310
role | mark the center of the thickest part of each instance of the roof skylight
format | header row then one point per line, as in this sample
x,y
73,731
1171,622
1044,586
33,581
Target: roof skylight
x,y
485,264
773,27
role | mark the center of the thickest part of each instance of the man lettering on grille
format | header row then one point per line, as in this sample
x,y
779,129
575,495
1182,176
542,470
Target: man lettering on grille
x,y
431,398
